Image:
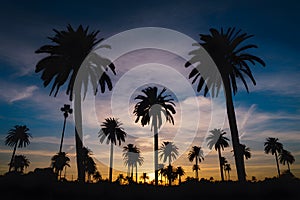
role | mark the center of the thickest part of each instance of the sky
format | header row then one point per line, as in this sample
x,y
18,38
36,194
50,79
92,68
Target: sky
x,y
271,109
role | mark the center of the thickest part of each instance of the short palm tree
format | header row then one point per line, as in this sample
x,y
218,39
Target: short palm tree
x,y
63,63
112,131
17,137
227,168
180,172
132,158
97,176
274,147
196,154
89,164
58,162
286,157
20,162
151,105
223,163
144,177
66,110
219,141
161,171
233,62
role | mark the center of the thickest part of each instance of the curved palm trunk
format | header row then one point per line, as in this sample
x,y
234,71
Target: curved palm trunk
x,y
197,176
221,167
62,135
111,161
238,156
276,158
12,157
78,137
156,153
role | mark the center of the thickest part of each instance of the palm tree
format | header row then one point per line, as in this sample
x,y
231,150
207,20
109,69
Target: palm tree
x,y
232,61
19,163
168,151
223,163
132,158
196,154
144,177
137,160
286,157
227,168
89,164
113,131
66,110
97,176
196,168
17,137
58,162
245,151
219,141
161,171
63,63
180,172
151,105
273,146
120,178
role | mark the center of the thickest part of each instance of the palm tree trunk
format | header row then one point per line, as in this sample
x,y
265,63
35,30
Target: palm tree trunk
x,y
239,159
111,161
276,158
12,157
136,174
228,175
288,166
131,176
197,176
62,135
78,136
221,166
156,153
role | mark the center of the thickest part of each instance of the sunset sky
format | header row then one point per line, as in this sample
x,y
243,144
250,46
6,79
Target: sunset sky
x,y
271,109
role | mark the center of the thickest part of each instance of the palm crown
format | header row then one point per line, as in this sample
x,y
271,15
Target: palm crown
x,y
272,146
195,153
112,130
230,57
18,136
168,150
217,139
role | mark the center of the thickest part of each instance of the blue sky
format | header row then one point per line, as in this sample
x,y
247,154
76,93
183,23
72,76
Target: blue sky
x,y
271,108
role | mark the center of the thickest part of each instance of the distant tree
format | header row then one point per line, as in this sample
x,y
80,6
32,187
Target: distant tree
x,y
223,163
196,154
286,157
132,158
161,171
97,176
20,162
17,137
274,147
151,105
144,177
228,169
180,172
112,130
58,162
217,140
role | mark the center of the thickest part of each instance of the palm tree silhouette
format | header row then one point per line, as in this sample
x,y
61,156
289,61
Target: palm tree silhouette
x,y
168,151
66,110
144,177
120,178
273,146
227,168
232,61
286,157
19,163
97,176
113,131
161,171
151,105
223,163
88,163
180,172
17,137
217,140
245,151
65,57
132,158
58,162
196,154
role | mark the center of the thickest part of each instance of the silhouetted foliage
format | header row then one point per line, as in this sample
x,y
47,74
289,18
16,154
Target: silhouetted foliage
x,y
274,147
285,157
59,161
19,163
196,154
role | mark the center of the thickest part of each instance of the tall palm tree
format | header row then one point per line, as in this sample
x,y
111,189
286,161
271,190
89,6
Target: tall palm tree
x,y
137,160
168,151
151,105
196,154
227,168
217,140
180,172
66,110
144,177
65,57
58,162
274,147
17,137
286,157
19,163
233,62
112,130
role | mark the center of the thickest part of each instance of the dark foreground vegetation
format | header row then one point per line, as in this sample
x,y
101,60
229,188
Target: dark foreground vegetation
x,y
35,186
